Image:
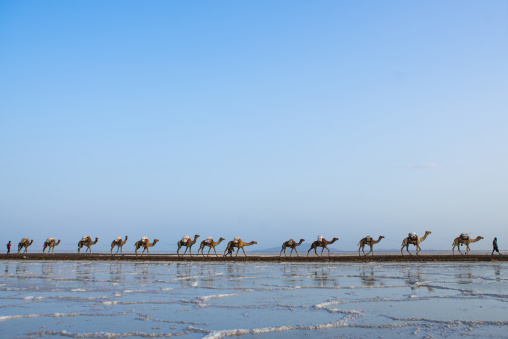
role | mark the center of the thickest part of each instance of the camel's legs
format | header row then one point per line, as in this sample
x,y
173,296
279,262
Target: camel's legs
x,y
209,251
310,249
238,250
215,252
244,252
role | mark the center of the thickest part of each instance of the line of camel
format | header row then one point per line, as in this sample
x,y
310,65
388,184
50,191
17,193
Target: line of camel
x,y
238,243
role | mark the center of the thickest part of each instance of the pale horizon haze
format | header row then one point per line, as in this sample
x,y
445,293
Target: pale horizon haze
x,y
266,120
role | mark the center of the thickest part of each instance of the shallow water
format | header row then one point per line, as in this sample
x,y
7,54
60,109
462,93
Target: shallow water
x,y
214,300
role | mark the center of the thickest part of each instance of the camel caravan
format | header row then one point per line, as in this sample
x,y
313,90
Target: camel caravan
x,y
234,246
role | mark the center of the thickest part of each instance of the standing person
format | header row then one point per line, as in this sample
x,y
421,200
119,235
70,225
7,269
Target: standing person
x,y
9,247
494,246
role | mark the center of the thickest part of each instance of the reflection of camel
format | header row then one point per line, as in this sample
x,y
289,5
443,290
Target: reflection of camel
x,y
321,243
291,244
51,243
239,244
146,244
187,242
118,242
368,241
25,242
409,241
210,243
86,241
458,241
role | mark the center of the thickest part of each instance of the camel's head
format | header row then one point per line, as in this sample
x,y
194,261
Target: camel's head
x,y
381,237
302,240
155,241
428,232
221,239
196,236
254,243
126,237
480,237
335,239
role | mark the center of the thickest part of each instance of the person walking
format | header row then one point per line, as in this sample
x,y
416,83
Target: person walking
x,y
9,247
494,246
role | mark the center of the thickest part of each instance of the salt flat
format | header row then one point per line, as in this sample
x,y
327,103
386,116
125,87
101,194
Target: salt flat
x,y
88,299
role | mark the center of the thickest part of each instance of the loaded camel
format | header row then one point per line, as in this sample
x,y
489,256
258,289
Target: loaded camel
x,y
413,241
51,243
25,242
368,241
87,241
118,242
291,244
459,240
237,242
145,243
321,243
187,242
210,243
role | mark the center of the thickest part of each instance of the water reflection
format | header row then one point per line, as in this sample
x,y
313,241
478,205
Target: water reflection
x,y
115,272
47,269
465,276
83,272
368,277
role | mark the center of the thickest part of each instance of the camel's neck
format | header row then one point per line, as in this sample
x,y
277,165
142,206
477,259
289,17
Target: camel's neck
x,y
331,242
424,237
475,240
58,242
152,244
301,240
95,242
31,242
220,240
376,241
248,243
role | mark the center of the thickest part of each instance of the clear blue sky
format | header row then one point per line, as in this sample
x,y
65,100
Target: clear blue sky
x,y
267,120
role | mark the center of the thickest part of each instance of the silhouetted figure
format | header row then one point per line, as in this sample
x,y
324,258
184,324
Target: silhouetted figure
x,y
494,247
9,247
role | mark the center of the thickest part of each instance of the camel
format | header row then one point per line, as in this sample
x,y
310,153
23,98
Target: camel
x,y
321,243
146,244
368,241
187,242
409,241
458,241
210,243
87,241
51,243
25,242
237,242
291,244
118,242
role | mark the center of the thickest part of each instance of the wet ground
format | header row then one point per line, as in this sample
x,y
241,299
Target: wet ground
x,y
112,299
394,257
